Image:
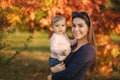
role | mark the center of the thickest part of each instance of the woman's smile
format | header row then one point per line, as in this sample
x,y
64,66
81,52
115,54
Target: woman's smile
x,y
79,28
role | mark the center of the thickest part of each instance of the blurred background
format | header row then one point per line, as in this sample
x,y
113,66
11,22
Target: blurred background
x,y
25,30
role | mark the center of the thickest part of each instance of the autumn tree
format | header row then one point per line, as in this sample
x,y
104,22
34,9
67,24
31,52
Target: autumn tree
x,y
105,15
106,22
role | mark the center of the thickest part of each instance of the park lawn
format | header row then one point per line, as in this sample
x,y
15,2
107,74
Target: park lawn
x,y
39,41
26,66
32,63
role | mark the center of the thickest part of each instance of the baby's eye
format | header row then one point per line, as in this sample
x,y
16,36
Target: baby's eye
x,y
63,25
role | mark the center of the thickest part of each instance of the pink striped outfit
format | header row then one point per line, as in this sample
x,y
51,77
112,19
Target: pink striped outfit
x,y
59,43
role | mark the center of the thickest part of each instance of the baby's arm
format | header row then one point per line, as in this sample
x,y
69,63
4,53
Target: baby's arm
x,y
55,47
73,42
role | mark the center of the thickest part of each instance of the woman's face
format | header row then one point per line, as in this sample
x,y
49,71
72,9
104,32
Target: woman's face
x,y
79,28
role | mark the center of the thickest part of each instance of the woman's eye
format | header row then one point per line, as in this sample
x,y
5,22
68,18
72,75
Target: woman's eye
x,y
57,25
80,26
73,25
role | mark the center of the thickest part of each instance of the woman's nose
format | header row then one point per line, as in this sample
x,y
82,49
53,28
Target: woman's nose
x,y
76,28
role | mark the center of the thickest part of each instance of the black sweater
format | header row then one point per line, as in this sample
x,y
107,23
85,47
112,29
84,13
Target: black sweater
x,y
77,64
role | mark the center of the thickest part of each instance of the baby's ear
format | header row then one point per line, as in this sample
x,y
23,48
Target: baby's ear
x,y
51,29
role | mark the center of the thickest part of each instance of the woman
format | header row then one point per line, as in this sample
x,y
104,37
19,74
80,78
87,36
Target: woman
x,y
82,57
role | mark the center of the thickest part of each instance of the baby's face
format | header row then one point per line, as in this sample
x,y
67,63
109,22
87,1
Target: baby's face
x,y
60,27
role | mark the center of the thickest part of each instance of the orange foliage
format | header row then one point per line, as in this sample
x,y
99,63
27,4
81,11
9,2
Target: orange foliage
x,y
102,19
105,70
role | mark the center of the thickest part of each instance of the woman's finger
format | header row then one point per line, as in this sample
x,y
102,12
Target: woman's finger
x,y
61,67
60,64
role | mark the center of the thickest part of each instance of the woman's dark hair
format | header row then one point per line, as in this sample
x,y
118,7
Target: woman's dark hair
x,y
82,15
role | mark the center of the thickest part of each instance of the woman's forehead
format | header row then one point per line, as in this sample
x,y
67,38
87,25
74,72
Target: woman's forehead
x,y
78,21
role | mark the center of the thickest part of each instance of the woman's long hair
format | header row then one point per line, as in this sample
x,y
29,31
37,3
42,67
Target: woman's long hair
x,y
91,36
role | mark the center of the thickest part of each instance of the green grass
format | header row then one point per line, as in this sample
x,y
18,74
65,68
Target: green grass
x,y
31,64
40,41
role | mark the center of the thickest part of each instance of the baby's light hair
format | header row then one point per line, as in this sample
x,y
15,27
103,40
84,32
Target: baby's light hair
x,y
56,19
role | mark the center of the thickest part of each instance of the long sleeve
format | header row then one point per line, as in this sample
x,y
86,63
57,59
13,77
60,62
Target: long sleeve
x,y
72,41
80,63
55,45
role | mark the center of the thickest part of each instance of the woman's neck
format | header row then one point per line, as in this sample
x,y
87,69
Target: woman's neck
x,y
80,43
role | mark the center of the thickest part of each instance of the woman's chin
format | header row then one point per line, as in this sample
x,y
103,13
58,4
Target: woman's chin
x,y
77,37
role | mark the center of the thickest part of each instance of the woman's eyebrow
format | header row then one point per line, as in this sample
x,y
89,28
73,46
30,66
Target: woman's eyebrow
x,y
80,24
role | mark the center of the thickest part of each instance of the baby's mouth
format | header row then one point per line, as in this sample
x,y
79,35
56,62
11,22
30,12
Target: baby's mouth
x,y
60,31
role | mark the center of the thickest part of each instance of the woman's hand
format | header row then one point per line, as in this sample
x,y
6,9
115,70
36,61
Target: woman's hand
x,y
58,67
49,77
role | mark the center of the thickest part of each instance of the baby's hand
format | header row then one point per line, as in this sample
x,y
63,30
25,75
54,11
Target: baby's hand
x,y
65,53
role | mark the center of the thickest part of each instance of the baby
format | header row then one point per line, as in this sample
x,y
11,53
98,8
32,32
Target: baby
x,y
60,44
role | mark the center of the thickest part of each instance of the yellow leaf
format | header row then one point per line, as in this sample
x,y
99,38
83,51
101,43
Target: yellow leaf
x,y
115,52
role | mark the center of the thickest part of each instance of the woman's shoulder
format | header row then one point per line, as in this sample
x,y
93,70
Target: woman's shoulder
x,y
88,47
86,51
